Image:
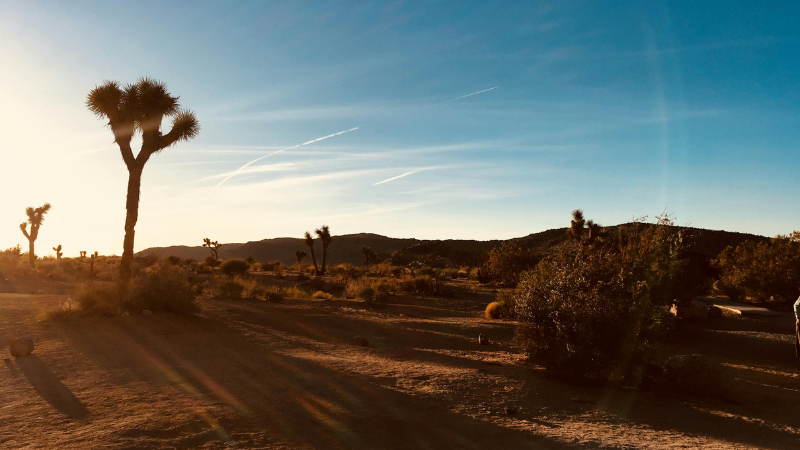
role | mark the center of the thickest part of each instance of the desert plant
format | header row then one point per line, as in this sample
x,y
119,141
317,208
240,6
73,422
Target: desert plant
x,y
139,107
35,219
503,307
324,235
369,256
309,241
319,295
299,254
504,265
576,224
233,267
211,261
161,288
213,246
761,270
229,289
597,311
58,252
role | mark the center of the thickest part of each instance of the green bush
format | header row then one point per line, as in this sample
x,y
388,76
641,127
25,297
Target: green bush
x,y
596,311
233,267
761,270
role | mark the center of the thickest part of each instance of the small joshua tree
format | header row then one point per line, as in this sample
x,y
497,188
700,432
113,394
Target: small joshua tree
x,y
83,254
213,246
58,252
299,254
324,235
576,224
369,255
35,218
310,243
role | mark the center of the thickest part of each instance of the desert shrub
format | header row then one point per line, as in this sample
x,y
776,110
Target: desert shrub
x,y
596,311
229,289
251,288
163,288
294,292
422,284
433,260
273,266
761,270
322,295
174,260
274,295
503,307
233,267
142,262
317,284
504,265
345,271
426,271
360,289
210,261
256,267
99,298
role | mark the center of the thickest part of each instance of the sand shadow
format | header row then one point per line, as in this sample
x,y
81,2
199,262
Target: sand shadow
x,y
50,388
11,368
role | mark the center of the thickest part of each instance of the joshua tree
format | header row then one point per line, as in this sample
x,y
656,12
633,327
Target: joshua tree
x,y
299,254
325,236
369,255
139,107
576,224
83,254
58,252
35,218
594,230
213,246
310,244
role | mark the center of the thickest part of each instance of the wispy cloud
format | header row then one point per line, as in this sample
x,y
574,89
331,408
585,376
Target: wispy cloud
x,y
411,172
468,95
275,153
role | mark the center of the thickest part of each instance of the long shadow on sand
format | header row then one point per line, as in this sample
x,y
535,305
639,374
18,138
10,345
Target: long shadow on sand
x,y
48,386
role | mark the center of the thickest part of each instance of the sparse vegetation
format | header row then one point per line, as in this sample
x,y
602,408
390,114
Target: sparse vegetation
x,y
504,265
762,271
233,267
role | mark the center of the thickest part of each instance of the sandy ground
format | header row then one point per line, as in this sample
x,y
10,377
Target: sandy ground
x,y
252,374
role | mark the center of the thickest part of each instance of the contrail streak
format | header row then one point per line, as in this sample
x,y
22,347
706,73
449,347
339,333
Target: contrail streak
x,y
399,176
468,95
237,171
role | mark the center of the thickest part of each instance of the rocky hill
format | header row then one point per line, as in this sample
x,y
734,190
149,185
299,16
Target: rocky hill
x,y
700,243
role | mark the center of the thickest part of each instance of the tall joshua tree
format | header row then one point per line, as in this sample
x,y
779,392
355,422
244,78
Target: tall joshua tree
x,y
139,107
213,245
310,243
299,254
324,236
35,218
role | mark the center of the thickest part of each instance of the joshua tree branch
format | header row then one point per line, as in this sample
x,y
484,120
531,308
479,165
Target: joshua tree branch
x,y
23,226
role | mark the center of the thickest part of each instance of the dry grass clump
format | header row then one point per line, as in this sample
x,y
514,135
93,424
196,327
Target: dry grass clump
x,y
503,307
360,289
319,295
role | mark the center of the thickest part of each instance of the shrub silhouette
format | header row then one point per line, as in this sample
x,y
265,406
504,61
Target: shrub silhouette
x,y
139,107
299,254
369,256
35,219
233,267
324,235
762,270
211,261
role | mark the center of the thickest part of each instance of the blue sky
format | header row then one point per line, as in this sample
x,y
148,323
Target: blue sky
x,y
623,109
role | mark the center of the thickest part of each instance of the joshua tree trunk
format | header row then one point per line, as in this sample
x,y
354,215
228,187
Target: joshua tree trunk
x,y
324,258
31,254
132,216
314,260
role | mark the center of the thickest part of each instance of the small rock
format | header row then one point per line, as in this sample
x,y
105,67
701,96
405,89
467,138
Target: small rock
x,y
21,347
483,339
362,341
147,312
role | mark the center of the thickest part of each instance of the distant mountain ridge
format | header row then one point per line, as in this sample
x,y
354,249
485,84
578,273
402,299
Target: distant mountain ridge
x,y
703,243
